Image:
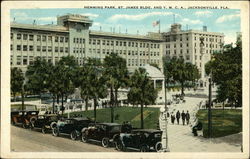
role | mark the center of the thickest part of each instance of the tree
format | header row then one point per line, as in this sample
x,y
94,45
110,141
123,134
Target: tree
x,y
178,71
226,71
117,77
143,89
38,75
17,81
65,74
92,82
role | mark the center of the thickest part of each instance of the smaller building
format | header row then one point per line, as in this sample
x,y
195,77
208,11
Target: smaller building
x,y
158,78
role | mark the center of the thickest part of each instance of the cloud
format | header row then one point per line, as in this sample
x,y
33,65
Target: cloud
x,y
203,13
46,19
90,15
96,24
189,21
137,16
225,18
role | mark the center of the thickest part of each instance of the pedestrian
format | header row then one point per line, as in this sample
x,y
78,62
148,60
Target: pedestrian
x,y
178,116
173,118
187,117
183,117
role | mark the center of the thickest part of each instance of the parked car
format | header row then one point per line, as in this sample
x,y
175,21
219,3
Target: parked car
x,y
45,122
72,127
24,118
139,139
101,132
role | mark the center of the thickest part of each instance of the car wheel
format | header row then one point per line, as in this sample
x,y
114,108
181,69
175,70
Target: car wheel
x,y
73,135
55,132
24,126
118,145
105,142
44,130
84,138
144,148
158,146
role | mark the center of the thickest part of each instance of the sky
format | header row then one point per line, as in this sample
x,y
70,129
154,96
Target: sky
x,y
139,21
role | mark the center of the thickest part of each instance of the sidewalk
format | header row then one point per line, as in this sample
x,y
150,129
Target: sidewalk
x,y
181,138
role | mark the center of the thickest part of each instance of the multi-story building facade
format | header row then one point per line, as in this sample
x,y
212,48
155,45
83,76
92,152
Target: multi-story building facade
x,y
71,36
194,46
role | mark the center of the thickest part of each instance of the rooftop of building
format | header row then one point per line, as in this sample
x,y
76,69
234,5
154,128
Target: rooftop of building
x,y
153,72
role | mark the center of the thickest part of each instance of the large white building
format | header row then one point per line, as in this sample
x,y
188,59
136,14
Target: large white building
x,y
71,36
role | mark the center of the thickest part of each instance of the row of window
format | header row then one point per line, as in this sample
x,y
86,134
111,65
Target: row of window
x,y
175,52
182,57
134,62
44,38
133,53
195,45
206,38
39,48
123,43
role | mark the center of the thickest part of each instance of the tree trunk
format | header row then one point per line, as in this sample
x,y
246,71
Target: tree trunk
x,y
182,88
53,105
57,99
86,104
62,105
116,94
22,94
95,103
112,104
14,96
142,122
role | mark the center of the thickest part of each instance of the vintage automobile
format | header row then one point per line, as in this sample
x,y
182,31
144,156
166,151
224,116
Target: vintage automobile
x,y
45,122
101,132
24,118
139,139
71,126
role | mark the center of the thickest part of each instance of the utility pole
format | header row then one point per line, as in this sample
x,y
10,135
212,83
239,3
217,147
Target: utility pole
x,y
209,108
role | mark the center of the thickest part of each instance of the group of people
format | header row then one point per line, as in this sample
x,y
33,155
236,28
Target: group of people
x,y
184,116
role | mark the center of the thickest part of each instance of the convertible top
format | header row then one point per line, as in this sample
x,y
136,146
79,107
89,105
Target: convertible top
x,y
146,130
80,118
110,124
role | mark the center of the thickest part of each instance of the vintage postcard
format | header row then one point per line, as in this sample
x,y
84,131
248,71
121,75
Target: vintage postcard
x,y
125,79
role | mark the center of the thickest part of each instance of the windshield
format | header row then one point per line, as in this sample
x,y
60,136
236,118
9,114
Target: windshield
x,y
115,128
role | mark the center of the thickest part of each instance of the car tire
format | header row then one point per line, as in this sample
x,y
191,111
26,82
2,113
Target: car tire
x,y
158,146
44,130
24,126
144,148
119,146
105,142
84,138
55,132
73,135
53,125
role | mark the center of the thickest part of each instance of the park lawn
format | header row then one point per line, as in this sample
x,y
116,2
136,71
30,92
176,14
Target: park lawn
x,y
19,106
224,122
121,114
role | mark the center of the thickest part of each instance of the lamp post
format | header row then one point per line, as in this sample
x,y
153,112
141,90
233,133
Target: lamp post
x,y
163,121
209,89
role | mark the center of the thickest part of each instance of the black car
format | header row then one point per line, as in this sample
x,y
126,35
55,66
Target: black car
x,y
101,132
45,122
72,127
24,118
139,139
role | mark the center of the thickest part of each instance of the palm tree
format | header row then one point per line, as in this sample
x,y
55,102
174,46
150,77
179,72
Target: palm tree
x,y
16,82
143,89
117,77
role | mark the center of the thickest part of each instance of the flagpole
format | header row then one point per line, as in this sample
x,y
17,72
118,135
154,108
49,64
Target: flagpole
x,y
159,26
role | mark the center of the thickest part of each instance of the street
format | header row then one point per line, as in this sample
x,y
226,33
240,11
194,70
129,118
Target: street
x,y
25,140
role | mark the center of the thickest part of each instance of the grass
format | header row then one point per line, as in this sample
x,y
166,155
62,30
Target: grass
x,y
224,122
19,106
121,114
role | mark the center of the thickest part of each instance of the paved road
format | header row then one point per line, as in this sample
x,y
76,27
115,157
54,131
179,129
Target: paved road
x,y
25,140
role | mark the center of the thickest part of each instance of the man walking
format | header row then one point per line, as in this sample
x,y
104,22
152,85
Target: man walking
x,y
187,117
183,117
178,116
